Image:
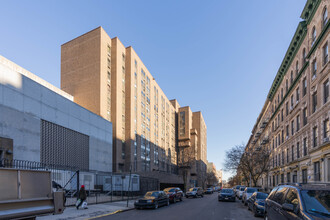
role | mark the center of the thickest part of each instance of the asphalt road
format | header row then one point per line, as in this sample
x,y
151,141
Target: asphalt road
x,y
206,208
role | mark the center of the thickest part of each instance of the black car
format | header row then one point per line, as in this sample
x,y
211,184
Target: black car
x,y
227,195
152,199
298,201
256,203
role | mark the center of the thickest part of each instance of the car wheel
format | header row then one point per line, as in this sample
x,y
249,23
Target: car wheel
x,y
255,212
245,203
248,207
202,195
180,198
195,196
168,202
156,205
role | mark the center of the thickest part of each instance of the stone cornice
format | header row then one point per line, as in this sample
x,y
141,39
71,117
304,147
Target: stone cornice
x,y
309,10
288,58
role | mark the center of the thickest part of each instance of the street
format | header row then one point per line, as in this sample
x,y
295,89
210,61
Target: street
x,y
205,208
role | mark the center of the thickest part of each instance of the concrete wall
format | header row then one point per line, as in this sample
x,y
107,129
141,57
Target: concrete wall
x,y
24,102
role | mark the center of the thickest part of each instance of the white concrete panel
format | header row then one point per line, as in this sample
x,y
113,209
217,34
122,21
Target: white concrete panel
x,y
74,124
10,78
108,137
75,110
101,134
94,131
48,97
84,127
62,104
1,94
85,115
31,89
31,125
32,106
62,119
108,127
12,98
48,113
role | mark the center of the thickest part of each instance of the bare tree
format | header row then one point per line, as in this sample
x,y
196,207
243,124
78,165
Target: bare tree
x,y
186,162
233,158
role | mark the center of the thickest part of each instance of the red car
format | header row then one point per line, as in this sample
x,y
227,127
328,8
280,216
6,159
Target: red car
x,y
174,194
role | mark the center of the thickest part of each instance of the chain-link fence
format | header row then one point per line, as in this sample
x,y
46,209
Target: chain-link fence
x,y
100,186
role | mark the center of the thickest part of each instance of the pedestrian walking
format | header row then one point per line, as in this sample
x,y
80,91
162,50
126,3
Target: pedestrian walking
x,y
81,197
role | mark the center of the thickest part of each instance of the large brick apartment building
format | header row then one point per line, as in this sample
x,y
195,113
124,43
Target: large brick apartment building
x,y
110,80
294,122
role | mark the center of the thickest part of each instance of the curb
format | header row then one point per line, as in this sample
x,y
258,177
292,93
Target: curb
x,y
112,213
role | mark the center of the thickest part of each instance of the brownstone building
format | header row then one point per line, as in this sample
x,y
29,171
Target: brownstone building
x,y
294,122
110,80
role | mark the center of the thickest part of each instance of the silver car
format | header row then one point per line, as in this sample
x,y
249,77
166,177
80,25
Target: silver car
x,y
240,191
248,193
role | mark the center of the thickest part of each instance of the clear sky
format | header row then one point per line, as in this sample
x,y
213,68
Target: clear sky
x,y
217,56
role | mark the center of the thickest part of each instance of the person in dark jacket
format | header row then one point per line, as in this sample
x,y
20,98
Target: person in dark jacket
x,y
82,195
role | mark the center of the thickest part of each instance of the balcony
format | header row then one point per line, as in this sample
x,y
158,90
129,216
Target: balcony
x,y
265,140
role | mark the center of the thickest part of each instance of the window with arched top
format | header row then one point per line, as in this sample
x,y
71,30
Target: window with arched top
x,y
297,68
313,35
304,56
325,16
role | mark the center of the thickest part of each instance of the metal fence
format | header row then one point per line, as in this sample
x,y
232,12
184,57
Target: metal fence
x,y
100,186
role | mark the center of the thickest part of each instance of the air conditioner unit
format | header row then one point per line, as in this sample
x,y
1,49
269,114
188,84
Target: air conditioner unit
x,y
327,139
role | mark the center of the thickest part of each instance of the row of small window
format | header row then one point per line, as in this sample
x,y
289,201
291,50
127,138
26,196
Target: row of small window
x,y
326,127
326,91
279,159
324,22
325,53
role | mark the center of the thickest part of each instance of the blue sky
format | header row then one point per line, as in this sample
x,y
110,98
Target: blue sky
x,y
219,57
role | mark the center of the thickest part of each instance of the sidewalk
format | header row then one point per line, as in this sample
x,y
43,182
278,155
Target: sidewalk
x,y
92,211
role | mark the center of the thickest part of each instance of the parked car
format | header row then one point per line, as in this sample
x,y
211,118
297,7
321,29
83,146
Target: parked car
x,y
298,201
239,192
194,192
247,194
174,194
236,188
226,195
209,191
256,203
152,199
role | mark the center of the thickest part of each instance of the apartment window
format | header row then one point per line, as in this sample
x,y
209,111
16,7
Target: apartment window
x,y
326,128
182,123
286,109
314,136
325,17
314,100
298,122
313,35
287,155
282,157
297,68
292,153
282,115
281,93
298,150
314,70
286,85
304,175
282,136
304,56
325,54
291,78
123,150
288,179
287,131
317,173
326,91
304,87
305,146
305,116
292,127
109,63
297,94
291,102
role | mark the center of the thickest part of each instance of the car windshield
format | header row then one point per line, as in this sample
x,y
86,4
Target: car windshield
x,y
262,195
237,187
155,194
209,189
242,189
192,189
317,201
169,190
226,191
251,190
